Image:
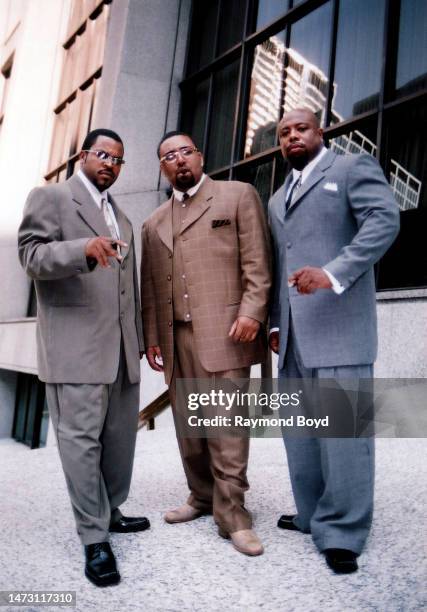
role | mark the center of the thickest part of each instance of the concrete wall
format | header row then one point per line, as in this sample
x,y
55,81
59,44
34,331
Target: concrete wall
x,y
33,31
402,331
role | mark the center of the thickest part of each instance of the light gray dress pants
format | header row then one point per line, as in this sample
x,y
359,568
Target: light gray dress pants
x,y
332,478
96,427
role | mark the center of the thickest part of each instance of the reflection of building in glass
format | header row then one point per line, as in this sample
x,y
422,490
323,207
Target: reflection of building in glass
x,y
406,187
264,99
304,83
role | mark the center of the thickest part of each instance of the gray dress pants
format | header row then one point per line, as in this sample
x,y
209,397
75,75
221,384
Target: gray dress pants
x,y
96,427
332,478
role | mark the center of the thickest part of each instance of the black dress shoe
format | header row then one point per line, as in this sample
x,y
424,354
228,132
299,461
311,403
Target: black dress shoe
x,y
341,560
286,521
101,567
130,524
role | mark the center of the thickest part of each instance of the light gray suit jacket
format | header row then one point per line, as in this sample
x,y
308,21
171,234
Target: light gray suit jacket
x,y
82,314
343,218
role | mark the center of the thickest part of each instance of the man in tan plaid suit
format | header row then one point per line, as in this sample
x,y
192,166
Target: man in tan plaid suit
x,y
205,287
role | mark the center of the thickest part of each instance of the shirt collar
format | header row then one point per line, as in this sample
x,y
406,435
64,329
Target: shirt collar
x,y
179,195
309,167
94,192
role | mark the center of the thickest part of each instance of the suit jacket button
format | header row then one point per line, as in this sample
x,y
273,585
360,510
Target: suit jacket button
x,y
288,245
170,255
169,277
79,270
170,323
169,300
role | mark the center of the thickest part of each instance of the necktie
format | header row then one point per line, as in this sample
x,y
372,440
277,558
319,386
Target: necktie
x,y
109,221
185,196
293,191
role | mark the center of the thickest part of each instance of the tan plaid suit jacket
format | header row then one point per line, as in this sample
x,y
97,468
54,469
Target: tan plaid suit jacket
x,y
226,255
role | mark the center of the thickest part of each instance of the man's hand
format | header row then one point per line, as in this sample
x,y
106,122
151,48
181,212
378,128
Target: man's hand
x,y
273,341
101,248
308,280
154,358
244,329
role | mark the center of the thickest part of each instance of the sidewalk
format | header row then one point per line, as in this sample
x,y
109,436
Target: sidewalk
x,y
189,567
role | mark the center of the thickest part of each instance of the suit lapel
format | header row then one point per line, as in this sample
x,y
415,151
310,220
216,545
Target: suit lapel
x,y
87,209
282,202
164,225
316,175
199,204
125,227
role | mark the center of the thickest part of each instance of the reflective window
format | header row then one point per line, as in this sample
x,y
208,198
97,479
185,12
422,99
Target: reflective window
x,y
269,10
202,39
265,95
361,139
358,58
260,177
405,265
412,56
306,74
231,24
194,112
222,119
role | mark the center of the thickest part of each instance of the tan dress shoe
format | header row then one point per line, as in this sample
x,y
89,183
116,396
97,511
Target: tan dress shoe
x,y
182,514
245,541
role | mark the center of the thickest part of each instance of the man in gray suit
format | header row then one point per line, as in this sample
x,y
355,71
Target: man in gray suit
x,y
78,247
331,221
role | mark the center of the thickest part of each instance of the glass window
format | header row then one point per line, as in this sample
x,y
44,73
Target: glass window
x,y
202,40
412,56
405,265
269,10
260,177
265,95
195,105
358,58
232,21
306,73
361,139
223,115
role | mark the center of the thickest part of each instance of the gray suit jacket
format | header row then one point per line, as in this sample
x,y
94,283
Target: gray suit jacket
x,y
343,218
82,315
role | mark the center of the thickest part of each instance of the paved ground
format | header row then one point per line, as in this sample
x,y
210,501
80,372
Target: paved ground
x,y
189,567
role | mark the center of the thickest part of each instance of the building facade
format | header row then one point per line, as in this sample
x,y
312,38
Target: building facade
x,y
225,71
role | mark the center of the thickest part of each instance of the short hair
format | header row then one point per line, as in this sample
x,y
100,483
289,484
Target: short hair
x,y
169,135
93,135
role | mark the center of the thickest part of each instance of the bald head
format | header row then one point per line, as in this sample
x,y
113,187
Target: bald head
x,y
300,137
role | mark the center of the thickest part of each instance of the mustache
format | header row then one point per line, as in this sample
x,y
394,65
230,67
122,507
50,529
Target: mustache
x,y
295,144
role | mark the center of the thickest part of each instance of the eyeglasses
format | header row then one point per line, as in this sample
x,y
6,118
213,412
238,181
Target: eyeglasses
x,y
104,156
172,156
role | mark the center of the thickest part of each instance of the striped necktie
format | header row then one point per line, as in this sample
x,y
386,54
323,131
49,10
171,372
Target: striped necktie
x,y
293,191
109,221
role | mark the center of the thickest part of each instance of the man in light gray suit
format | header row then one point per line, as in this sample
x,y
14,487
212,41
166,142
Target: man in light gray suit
x,y
331,221
78,247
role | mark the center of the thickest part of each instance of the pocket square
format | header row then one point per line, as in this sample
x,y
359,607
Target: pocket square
x,y
330,187
220,222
